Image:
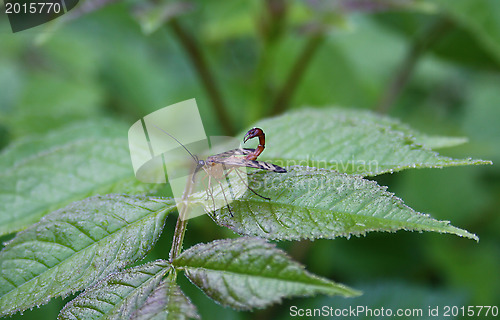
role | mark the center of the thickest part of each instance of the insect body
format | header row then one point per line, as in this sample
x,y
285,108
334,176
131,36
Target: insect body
x,y
219,166
215,166
230,158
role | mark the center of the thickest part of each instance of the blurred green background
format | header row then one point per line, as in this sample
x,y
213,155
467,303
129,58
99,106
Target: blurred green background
x,y
435,65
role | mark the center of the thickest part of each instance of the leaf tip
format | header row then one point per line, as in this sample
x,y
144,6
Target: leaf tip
x,y
462,233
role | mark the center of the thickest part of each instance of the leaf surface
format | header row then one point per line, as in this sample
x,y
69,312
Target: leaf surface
x,y
167,301
21,150
308,203
247,273
355,142
76,246
136,293
42,174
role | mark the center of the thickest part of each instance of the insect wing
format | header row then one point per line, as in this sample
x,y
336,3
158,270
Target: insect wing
x,y
242,162
230,153
268,166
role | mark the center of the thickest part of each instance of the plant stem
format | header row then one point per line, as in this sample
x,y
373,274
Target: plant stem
x,y
282,101
421,44
272,27
180,226
193,50
257,101
180,230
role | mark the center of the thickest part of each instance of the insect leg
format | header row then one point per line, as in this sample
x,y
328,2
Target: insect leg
x,y
228,180
243,180
209,191
211,188
206,188
224,194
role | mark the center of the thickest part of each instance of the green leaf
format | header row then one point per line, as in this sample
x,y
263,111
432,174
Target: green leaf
x,y
76,246
368,117
308,203
136,293
51,101
27,147
438,142
119,295
351,142
249,273
44,173
167,300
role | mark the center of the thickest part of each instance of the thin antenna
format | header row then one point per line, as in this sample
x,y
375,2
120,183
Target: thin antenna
x,y
171,136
